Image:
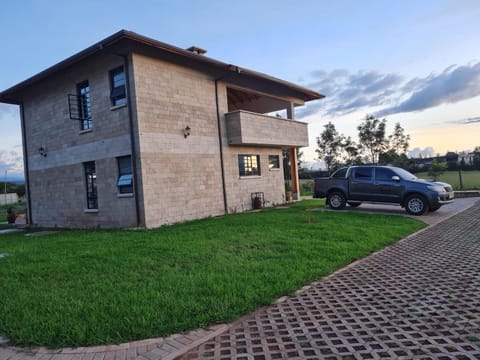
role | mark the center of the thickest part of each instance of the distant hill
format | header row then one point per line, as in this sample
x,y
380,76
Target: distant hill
x,y
13,180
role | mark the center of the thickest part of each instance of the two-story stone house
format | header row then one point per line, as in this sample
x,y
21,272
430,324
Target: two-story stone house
x,y
135,132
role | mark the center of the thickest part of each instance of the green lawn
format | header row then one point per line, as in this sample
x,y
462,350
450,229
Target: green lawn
x,y
470,179
17,207
77,287
306,187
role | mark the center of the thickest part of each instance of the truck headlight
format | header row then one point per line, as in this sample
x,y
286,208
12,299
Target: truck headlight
x,y
436,188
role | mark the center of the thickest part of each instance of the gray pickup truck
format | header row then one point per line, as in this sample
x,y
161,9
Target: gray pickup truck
x,y
382,184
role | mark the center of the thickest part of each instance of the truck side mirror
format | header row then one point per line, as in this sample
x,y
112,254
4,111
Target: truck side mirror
x,y
396,178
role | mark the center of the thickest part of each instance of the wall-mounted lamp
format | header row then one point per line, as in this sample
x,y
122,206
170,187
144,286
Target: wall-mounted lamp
x,y
42,150
186,132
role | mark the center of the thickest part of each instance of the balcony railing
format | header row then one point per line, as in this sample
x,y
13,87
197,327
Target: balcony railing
x,y
248,128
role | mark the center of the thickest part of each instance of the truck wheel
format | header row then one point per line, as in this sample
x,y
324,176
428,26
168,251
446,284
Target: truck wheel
x,y
354,204
336,200
416,205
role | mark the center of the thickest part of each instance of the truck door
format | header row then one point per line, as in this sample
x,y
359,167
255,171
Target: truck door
x,y
361,184
385,188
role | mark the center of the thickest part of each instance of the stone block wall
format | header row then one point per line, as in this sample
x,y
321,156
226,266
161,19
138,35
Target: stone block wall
x,y
57,183
244,127
181,177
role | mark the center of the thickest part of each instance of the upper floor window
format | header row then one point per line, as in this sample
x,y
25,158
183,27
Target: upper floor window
x,y
249,165
125,175
91,183
273,162
85,105
118,94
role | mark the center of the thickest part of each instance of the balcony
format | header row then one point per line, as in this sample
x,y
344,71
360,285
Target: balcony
x,y
248,128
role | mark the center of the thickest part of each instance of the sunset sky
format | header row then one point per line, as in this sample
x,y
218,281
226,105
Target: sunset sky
x,y
413,62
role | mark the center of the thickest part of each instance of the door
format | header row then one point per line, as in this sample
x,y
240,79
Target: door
x,y
385,188
361,184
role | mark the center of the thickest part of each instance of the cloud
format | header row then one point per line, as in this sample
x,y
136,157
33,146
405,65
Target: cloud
x,y
347,92
8,112
12,162
369,90
454,84
471,120
419,152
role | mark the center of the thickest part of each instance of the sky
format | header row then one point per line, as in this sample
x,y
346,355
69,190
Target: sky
x,y
416,62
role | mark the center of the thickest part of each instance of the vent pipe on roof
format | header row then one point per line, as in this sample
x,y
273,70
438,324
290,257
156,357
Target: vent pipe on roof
x,y
197,50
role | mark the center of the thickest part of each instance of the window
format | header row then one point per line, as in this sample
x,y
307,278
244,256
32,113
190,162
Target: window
x,y
91,182
273,162
249,165
340,173
118,94
125,176
382,174
85,106
363,173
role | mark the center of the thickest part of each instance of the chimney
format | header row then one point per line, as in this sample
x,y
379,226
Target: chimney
x,y
197,50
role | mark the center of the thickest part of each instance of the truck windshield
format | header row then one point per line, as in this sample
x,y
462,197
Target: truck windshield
x,y
404,174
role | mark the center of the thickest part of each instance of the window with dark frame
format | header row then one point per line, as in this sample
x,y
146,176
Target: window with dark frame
x,y
273,162
85,105
91,183
249,165
125,175
118,95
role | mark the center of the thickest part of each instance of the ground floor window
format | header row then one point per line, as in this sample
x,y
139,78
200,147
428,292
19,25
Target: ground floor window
x,y
249,165
125,175
91,182
273,162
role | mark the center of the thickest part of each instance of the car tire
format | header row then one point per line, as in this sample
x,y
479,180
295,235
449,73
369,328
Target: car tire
x,y
336,200
354,204
416,205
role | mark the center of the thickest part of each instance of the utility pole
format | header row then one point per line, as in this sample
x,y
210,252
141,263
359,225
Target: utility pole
x,y
5,185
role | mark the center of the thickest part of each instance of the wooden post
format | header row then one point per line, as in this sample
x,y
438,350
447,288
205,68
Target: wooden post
x,y
294,173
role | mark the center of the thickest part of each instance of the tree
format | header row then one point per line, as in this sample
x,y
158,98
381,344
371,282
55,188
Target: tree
x,y
330,144
437,168
476,158
351,152
398,141
371,134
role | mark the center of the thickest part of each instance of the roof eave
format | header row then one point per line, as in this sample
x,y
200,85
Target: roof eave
x,y
11,95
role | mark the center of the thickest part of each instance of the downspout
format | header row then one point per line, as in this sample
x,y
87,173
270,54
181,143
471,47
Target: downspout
x,y
220,144
132,139
25,164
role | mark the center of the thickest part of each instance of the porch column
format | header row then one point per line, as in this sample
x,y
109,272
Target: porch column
x,y
294,173
291,111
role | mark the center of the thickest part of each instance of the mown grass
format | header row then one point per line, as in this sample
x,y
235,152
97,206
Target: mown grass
x,y
470,179
306,187
17,207
77,287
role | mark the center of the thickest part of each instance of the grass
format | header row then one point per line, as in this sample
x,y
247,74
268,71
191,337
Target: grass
x,y
76,287
306,187
17,207
470,179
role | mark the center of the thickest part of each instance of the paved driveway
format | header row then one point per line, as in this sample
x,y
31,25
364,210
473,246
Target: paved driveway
x,y
418,299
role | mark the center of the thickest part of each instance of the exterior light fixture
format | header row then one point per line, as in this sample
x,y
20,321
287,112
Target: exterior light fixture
x,y
42,150
186,132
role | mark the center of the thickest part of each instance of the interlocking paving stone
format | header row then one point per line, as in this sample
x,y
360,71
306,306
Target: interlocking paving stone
x,y
417,299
